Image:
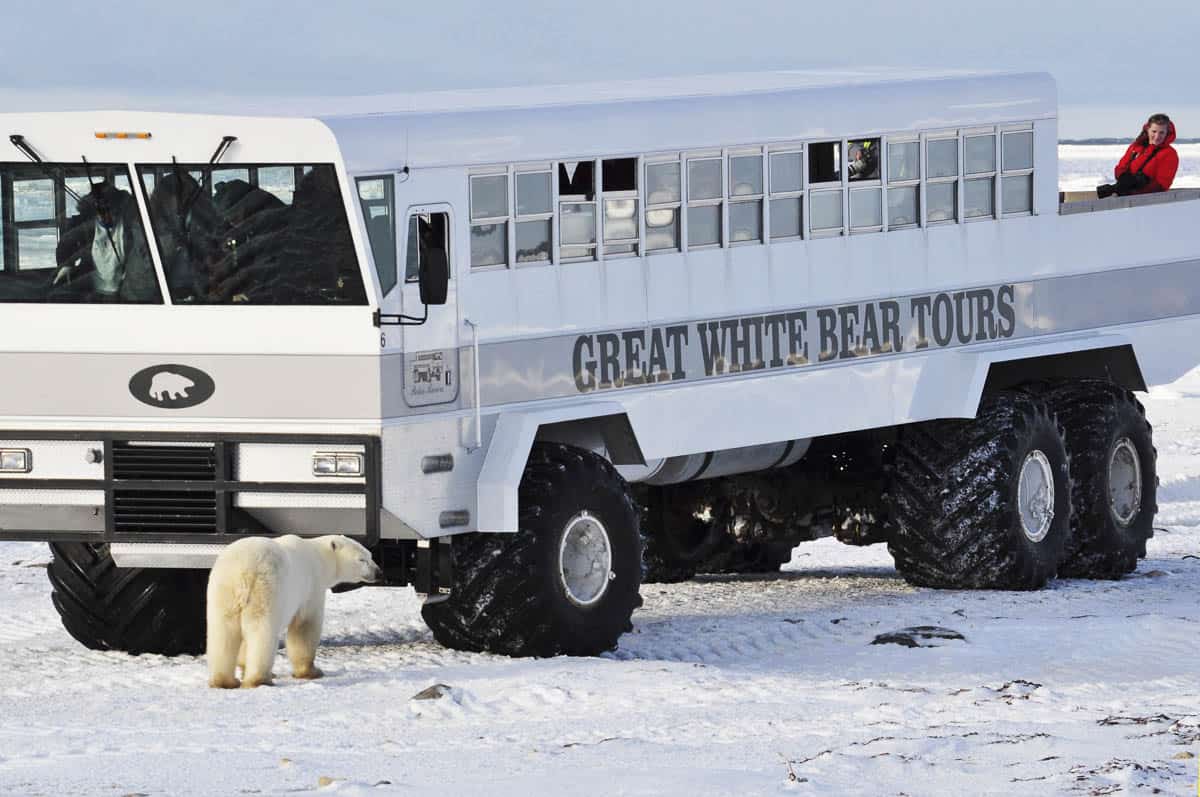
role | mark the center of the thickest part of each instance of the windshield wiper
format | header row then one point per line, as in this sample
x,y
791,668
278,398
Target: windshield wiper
x,y
218,153
21,144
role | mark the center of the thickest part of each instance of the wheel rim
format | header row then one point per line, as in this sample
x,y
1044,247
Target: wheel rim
x,y
1124,482
1035,496
585,559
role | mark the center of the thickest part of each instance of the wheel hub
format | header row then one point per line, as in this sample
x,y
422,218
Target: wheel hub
x,y
1124,482
1035,496
585,559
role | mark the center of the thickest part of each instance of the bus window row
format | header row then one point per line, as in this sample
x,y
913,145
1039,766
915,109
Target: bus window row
x,y
567,211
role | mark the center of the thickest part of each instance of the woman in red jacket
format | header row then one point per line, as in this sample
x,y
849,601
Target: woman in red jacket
x,y
1150,163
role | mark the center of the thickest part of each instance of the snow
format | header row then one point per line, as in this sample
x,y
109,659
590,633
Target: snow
x,y
731,685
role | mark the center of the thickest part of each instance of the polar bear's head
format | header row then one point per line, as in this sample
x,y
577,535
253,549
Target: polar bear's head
x,y
354,562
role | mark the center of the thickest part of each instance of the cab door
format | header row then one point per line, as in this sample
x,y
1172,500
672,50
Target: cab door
x,y
431,369
420,344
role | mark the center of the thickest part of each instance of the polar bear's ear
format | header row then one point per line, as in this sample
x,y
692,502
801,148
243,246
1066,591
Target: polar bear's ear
x,y
333,544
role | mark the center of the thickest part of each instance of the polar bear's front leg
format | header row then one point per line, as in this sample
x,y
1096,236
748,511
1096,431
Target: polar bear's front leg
x,y
303,636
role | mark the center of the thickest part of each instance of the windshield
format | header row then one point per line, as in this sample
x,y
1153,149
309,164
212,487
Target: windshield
x,y
264,234
72,233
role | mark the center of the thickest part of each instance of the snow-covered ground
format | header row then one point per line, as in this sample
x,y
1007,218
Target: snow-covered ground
x,y
726,686
1082,167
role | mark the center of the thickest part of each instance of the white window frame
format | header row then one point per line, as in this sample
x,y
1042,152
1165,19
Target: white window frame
x,y
518,217
644,187
602,197
719,201
907,184
472,222
980,132
759,152
772,194
956,179
1004,172
561,199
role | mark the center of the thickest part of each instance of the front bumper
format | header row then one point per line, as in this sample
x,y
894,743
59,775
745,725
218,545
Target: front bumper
x,y
127,487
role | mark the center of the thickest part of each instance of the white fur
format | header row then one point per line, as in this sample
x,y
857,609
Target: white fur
x,y
260,586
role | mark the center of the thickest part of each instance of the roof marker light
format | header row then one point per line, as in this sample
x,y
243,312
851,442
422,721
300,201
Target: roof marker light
x,y
122,135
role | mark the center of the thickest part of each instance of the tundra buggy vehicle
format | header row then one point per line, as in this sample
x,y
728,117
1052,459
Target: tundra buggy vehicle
x,y
535,349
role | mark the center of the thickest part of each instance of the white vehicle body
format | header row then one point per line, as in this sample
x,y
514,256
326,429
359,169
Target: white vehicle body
x,y
703,361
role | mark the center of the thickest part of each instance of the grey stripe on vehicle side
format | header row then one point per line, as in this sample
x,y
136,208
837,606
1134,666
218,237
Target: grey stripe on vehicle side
x,y
250,387
815,336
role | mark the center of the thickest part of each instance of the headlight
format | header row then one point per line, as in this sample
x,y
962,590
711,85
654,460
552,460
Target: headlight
x,y
16,460
337,464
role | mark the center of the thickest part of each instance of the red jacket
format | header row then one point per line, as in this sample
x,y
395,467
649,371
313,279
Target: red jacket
x,y
1160,169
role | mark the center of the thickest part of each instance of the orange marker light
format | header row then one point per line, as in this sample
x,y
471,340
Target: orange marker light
x,y
122,135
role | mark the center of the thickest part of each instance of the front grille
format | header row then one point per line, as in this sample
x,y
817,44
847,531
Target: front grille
x,y
167,462
163,510
143,510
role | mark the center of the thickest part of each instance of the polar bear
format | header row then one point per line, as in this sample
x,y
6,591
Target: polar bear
x,y
260,586
170,386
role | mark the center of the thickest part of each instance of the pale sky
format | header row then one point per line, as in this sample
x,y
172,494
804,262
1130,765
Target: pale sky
x,y
1115,62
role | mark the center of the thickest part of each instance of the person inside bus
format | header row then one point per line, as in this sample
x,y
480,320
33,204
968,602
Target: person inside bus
x,y
864,161
1150,162
105,241
189,235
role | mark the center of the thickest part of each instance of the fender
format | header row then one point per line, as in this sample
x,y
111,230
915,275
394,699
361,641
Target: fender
x,y
1108,355
508,451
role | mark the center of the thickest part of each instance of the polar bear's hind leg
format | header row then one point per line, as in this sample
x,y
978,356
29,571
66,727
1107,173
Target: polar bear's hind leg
x,y
224,639
260,640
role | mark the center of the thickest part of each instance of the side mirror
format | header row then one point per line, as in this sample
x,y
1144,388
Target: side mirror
x,y
434,279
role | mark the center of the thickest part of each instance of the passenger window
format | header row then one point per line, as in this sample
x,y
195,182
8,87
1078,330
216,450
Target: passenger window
x,y
904,189
979,197
577,210
866,210
535,211
941,200
979,154
941,157
489,220
705,195
620,206
746,198
1017,189
428,242
786,181
825,211
862,159
663,200
1018,151
825,162
375,195
904,161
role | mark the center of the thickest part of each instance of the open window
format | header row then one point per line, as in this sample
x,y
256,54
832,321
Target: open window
x,y
825,162
862,159
428,254
577,210
620,206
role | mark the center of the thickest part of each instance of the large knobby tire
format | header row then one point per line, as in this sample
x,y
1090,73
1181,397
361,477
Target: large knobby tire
x,y
676,542
957,493
136,610
511,593
1114,478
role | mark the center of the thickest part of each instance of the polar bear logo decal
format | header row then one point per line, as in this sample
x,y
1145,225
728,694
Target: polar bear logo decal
x,y
171,386
166,385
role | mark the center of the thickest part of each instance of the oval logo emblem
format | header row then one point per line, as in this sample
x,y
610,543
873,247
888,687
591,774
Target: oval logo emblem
x,y
172,386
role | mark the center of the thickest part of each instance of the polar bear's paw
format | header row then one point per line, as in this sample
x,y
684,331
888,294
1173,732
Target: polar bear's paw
x,y
254,681
224,682
308,673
